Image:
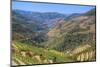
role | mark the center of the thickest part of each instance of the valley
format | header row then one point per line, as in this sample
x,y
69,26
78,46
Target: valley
x,y
50,37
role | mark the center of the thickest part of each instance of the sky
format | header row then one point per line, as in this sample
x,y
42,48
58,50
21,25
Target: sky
x,y
48,7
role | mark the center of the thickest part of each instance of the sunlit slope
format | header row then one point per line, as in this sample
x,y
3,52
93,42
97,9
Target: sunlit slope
x,y
67,35
27,54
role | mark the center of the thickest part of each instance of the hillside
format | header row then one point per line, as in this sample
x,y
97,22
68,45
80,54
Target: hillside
x,y
72,33
70,36
42,38
29,54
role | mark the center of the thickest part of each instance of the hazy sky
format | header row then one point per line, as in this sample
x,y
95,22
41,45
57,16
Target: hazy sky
x,y
45,7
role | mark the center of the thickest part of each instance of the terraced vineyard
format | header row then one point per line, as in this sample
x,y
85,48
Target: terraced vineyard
x,y
24,54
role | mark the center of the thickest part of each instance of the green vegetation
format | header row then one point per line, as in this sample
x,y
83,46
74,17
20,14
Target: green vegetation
x,y
34,42
48,54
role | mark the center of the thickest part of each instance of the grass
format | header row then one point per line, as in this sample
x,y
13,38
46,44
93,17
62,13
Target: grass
x,y
47,54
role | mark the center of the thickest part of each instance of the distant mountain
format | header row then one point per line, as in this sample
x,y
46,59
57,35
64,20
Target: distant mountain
x,y
72,16
91,12
42,18
33,25
24,31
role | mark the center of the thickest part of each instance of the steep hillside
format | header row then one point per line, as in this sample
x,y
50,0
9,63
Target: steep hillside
x,y
42,38
25,54
26,31
70,34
